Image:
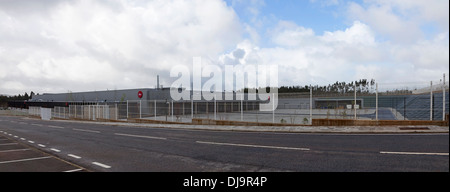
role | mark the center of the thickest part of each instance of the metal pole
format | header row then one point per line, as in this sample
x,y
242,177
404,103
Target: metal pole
x,y
155,109
172,110
215,107
310,104
273,108
192,107
431,101
376,102
242,105
404,108
140,109
443,99
127,110
354,106
116,111
94,112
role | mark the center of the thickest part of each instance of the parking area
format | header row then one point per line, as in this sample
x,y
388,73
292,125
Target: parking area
x,y
18,157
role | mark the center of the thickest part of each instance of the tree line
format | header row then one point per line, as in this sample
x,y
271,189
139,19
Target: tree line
x,y
362,86
4,98
19,97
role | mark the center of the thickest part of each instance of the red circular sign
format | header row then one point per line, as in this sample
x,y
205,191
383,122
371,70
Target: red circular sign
x,y
140,94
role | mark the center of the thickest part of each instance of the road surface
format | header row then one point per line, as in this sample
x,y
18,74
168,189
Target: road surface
x,y
97,147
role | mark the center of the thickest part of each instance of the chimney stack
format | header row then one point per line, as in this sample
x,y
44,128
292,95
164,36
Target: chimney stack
x,y
157,82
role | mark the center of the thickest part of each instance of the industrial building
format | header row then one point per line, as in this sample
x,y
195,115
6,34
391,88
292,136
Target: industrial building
x,y
109,96
132,103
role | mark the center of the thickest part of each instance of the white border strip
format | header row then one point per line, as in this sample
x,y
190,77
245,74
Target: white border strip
x,y
140,136
101,165
254,146
30,159
14,150
86,130
73,170
74,156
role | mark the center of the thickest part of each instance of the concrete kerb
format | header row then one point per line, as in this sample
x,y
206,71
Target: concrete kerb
x,y
283,129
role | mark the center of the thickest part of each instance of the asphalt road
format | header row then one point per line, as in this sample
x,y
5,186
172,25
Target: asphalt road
x,y
19,157
127,148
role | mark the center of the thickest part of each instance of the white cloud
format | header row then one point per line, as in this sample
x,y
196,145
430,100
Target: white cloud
x,y
401,21
89,45
345,55
83,45
358,33
290,34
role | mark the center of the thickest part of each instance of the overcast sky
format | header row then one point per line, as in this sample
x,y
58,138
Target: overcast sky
x,y
54,46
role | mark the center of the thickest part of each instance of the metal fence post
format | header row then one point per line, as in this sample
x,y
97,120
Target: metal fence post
x,y
242,106
354,106
192,107
215,107
404,108
431,101
310,104
116,112
376,101
443,99
273,108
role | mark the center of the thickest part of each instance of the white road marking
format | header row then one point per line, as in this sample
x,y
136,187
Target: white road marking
x,y
141,136
56,150
29,141
14,150
19,160
101,165
22,139
86,130
40,145
73,170
57,127
74,156
412,153
254,146
37,125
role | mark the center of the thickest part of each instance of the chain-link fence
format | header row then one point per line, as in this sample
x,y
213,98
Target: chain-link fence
x,y
414,101
383,101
